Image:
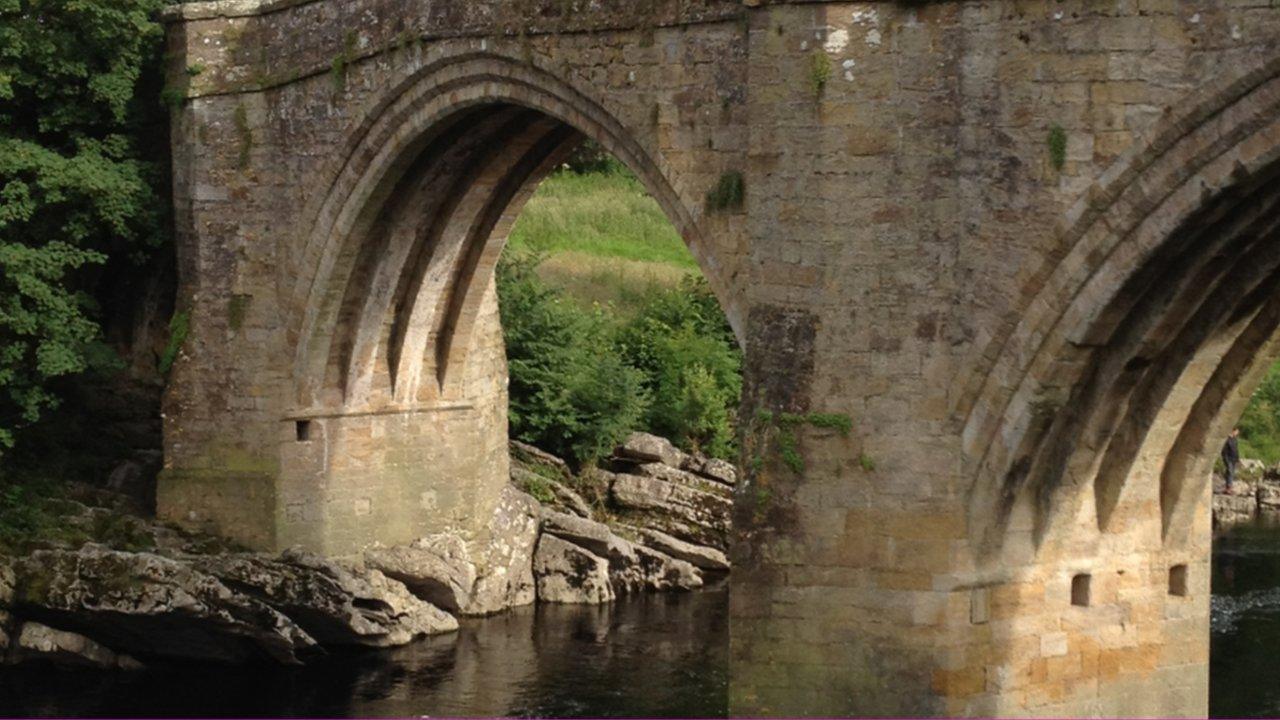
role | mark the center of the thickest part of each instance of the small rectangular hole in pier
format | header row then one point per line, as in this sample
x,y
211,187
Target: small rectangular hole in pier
x,y
1080,589
1178,580
979,606
304,430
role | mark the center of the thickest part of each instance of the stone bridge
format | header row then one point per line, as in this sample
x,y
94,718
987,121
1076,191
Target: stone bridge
x,y
1028,247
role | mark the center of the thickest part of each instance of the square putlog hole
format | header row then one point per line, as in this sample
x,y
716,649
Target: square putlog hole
x,y
304,430
1080,589
1178,580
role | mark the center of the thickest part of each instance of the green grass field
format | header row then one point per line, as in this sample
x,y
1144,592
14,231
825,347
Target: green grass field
x,y
604,239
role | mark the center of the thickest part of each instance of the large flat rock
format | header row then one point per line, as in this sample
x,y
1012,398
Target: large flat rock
x,y
335,605
650,448
700,556
635,568
688,513
589,534
1232,509
153,607
38,642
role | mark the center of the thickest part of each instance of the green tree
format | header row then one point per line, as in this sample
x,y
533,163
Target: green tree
x,y
1260,425
570,392
82,168
692,366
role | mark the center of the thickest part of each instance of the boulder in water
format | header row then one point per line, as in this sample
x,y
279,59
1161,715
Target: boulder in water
x,y
505,576
567,573
1269,494
1233,509
636,568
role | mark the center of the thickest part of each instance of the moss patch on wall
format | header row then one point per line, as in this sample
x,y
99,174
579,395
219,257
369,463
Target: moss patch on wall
x,y
1057,147
728,194
819,72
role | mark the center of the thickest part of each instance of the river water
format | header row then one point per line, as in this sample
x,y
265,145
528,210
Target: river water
x,y
656,654
1244,674
644,656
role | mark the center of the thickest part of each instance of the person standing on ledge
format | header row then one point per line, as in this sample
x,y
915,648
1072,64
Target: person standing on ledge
x,y
1231,456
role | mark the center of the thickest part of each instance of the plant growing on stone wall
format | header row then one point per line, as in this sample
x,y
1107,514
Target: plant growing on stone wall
x,y
1057,147
179,326
866,462
237,310
778,431
819,71
729,192
342,62
172,96
245,134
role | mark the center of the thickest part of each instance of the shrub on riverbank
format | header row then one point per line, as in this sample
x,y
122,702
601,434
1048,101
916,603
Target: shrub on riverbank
x,y
581,378
692,367
1260,425
569,394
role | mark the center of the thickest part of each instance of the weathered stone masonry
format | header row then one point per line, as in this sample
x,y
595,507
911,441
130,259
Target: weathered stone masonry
x,y
1028,248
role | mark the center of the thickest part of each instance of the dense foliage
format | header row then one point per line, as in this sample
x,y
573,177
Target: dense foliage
x,y
81,181
569,393
1260,425
581,380
684,347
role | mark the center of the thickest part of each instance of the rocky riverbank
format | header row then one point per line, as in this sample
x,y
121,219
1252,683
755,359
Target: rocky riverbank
x,y
118,590
1255,494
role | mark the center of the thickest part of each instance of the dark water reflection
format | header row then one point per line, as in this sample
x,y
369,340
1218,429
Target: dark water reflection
x,y
1244,650
647,656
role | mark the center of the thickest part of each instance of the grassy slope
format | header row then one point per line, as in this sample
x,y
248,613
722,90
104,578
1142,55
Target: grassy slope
x,y
604,238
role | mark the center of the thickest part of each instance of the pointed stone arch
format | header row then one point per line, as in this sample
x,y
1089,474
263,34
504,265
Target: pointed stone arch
x,y
401,141
1132,314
